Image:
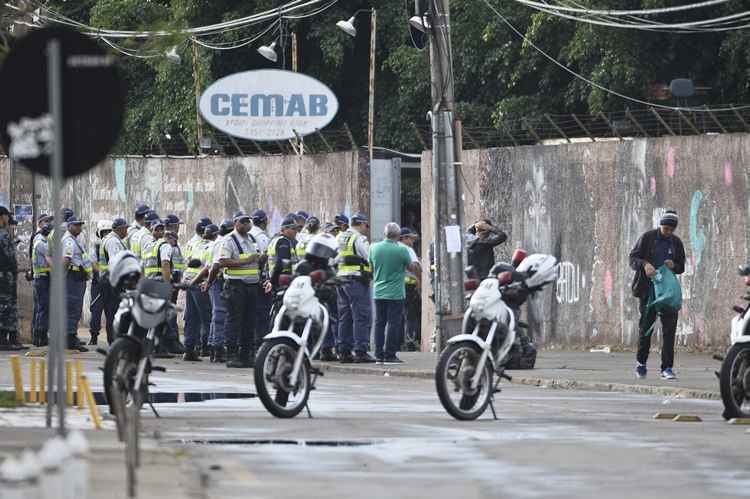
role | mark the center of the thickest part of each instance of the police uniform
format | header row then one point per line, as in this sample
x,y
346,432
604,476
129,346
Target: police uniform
x,y
41,271
354,300
155,252
412,305
78,273
177,263
136,239
96,307
217,338
110,247
8,290
197,303
265,300
241,291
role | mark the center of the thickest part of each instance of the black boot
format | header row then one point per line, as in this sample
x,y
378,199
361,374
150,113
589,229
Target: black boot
x,y
220,355
174,346
75,344
206,351
191,355
94,339
43,338
36,337
245,359
15,344
327,355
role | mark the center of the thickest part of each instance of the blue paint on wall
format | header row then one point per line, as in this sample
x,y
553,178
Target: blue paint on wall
x,y
120,179
697,236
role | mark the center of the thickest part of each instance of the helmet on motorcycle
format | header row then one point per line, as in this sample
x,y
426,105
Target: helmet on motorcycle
x,y
322,246
541,269
124,269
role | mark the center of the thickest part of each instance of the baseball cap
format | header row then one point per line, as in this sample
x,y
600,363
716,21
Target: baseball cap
x,y
302,214
312,221
259,216
359,218
66,214
210,230
341,219
172,220
142,210
119,222
289,222
239,215
74,220
407,232
329,227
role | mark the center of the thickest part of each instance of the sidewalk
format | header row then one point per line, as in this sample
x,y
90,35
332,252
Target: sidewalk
x,y
578,370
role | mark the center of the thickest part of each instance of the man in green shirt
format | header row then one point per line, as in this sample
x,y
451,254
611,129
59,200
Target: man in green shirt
x,y
389,262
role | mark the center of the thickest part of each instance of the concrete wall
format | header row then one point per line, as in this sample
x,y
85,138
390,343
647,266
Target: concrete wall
x,y
588,204
194,187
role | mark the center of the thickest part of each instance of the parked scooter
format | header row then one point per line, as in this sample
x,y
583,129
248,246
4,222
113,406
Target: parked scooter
x,y
139,325
734,378
473,363
284,375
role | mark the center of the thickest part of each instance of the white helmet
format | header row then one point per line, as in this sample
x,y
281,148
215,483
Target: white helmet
x,y
541,268
103,225
322,246
124,265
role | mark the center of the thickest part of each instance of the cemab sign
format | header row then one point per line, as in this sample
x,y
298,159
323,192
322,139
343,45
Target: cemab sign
x,y
268,104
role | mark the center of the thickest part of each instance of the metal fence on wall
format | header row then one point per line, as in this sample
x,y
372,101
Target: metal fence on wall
x,y
567,128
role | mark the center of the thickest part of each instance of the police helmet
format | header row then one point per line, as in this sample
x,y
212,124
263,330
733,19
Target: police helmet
x,y
125,268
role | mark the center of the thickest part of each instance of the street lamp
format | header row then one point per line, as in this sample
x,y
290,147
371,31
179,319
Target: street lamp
x,y
348,28
173,56
420,23
269,52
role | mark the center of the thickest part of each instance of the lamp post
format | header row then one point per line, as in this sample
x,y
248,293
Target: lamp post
x,y
349,28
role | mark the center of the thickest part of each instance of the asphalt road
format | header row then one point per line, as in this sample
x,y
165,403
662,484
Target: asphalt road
x,y
389,437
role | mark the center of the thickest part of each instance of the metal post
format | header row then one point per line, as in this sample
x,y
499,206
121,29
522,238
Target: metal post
x,y
449,292
58,317
295,61
196,77
371,110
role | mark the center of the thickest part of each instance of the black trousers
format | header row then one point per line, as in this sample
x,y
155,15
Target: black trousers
x,y
668,330
241,301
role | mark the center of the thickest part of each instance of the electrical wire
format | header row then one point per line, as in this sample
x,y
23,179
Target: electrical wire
x,y
662,10
237,43
597,85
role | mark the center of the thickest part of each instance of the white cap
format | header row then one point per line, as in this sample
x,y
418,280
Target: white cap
x,y
53,453
77,443
11,470
30,464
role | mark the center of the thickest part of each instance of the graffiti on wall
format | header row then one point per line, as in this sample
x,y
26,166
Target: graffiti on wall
x,y
537,215
570,283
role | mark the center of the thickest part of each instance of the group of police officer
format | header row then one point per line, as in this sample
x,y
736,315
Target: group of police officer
x,y
234,272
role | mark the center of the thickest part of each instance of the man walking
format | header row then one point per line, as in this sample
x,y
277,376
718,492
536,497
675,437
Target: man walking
x,y
389,262
354,305
8,285
654,249
239,257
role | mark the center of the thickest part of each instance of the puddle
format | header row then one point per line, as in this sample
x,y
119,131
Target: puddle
x,y
301,443
171,397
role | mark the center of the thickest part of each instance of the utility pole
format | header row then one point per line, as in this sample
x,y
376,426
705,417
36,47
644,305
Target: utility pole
x,y
447,218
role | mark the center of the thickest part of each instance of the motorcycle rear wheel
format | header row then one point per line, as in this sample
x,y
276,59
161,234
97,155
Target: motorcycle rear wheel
x,y
274,362
455,368
734,381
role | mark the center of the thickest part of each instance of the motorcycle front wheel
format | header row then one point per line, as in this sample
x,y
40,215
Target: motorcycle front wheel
x,y
455,369
120,368
273,365
734,382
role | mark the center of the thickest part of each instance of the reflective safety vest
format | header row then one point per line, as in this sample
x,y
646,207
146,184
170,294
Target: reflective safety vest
x,y
348,257
135,242
250,272
272,256
102,257
178,262
39,263
410,279
197,251
152,261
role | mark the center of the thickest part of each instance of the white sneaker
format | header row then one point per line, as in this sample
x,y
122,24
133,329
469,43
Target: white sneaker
x,y
668,374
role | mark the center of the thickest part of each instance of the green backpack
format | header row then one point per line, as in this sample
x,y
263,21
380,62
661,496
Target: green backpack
x,y
667,294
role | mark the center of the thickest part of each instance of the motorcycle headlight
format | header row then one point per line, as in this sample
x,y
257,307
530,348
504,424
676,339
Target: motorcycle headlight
x,y
152,305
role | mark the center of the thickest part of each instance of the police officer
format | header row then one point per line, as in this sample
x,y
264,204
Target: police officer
x,y
312,228
177,266
354,300
96,307
112,244
8,283
78,267
196,239
239,258
413,302
137,228
142,235
214,285
282,251
41,266
265,298
198,301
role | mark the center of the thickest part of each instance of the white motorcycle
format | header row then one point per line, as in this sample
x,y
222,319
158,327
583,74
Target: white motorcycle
x,y
284,375
734,378
473,363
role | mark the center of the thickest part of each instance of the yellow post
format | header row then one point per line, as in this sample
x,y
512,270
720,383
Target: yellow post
x,y
32,380
80,394
15,363
69,382
42,381
92,403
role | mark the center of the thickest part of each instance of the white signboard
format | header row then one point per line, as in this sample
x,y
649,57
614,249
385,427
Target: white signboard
x,y
268,104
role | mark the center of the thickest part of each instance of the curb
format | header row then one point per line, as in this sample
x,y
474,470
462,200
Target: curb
x,y
555,384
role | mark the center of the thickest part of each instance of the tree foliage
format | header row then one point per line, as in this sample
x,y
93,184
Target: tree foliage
x,y
498,77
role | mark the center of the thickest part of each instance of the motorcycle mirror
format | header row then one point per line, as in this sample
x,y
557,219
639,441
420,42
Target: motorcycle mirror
x,y
470,272
318,276
519,255
285,280
505,278
744,270
471,284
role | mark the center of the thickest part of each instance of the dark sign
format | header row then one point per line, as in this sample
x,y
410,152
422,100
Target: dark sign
x,y
93,102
